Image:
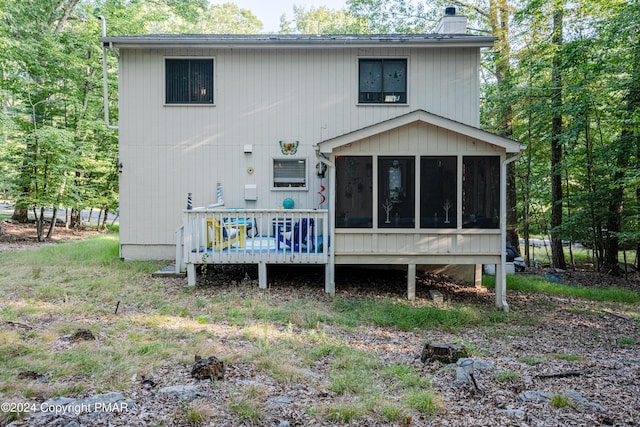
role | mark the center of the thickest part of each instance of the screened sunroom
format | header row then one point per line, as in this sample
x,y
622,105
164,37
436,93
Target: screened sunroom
x,y
419,189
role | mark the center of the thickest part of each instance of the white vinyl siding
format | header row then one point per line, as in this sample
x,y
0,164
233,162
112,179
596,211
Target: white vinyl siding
x,y
263,96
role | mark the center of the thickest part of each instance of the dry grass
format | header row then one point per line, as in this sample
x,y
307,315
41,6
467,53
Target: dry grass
x,y
353,360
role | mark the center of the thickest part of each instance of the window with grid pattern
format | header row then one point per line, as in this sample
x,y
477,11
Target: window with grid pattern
x,y
382,81
189,81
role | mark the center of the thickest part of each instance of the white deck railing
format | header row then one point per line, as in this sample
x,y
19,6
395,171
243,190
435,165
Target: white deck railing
x,y
245,236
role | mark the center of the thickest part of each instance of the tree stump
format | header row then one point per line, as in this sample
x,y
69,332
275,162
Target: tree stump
x,y
82,335
443,352
210,367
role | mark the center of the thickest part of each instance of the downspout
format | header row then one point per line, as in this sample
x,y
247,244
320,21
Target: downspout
x,y
332,229
501,293
105,92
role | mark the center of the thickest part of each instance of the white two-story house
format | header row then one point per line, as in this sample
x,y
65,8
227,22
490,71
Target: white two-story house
x,y
321,149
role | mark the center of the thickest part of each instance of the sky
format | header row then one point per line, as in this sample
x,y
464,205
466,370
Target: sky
x,y
270,11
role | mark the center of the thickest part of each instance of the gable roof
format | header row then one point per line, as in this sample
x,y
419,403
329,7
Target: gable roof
x,y
297,40
509,145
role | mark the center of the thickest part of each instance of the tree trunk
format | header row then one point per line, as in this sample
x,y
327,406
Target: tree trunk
x,y
74,221
20,214
104,219
39,224
557,252
52,226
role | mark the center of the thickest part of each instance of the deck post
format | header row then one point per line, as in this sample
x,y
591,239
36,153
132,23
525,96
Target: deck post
x,y
179,249
411,282
477,276
329,282
191,274
499,286
262,275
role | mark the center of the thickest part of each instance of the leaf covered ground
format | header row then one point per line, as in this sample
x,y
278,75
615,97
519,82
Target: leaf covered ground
x,y
293,356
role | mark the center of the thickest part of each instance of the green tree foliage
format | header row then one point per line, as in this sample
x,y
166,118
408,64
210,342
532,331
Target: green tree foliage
x,y
228,18
57,151
394,16
596,64
322,20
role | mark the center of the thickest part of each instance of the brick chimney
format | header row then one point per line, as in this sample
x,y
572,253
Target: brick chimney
x,y
451,23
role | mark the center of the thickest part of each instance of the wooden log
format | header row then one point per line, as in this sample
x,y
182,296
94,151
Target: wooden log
x,y
565,374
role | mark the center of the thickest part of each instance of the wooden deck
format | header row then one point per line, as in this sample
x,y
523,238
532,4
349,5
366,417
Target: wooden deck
x,y
252,236
300,236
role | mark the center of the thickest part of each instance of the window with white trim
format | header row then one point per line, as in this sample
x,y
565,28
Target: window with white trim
x,y
188,81
290,173
382,81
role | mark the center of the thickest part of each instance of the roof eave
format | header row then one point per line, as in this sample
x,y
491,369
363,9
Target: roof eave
x,y
212,42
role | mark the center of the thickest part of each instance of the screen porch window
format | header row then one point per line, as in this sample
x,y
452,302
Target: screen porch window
x,y
438,192
290,173
396,192
480,192
382,81
354,192
189,81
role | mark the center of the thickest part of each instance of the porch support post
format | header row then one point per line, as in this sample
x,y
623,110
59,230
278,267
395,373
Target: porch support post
x,y
191,274
329,279
501,270
330,286
262,275
411,282
477,276
180,249
501,288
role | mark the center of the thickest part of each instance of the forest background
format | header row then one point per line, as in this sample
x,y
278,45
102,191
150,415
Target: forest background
x,y
563,78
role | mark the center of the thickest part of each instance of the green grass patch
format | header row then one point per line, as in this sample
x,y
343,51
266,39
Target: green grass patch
x,y
353,373
405,316
559,401
531,360
424,402
407,376
394,413
246,409
347,412
569,357
626,342
507,376
528,283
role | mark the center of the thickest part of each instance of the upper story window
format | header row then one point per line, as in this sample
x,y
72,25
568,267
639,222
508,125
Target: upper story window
x,y
382,81
189,81
290,173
